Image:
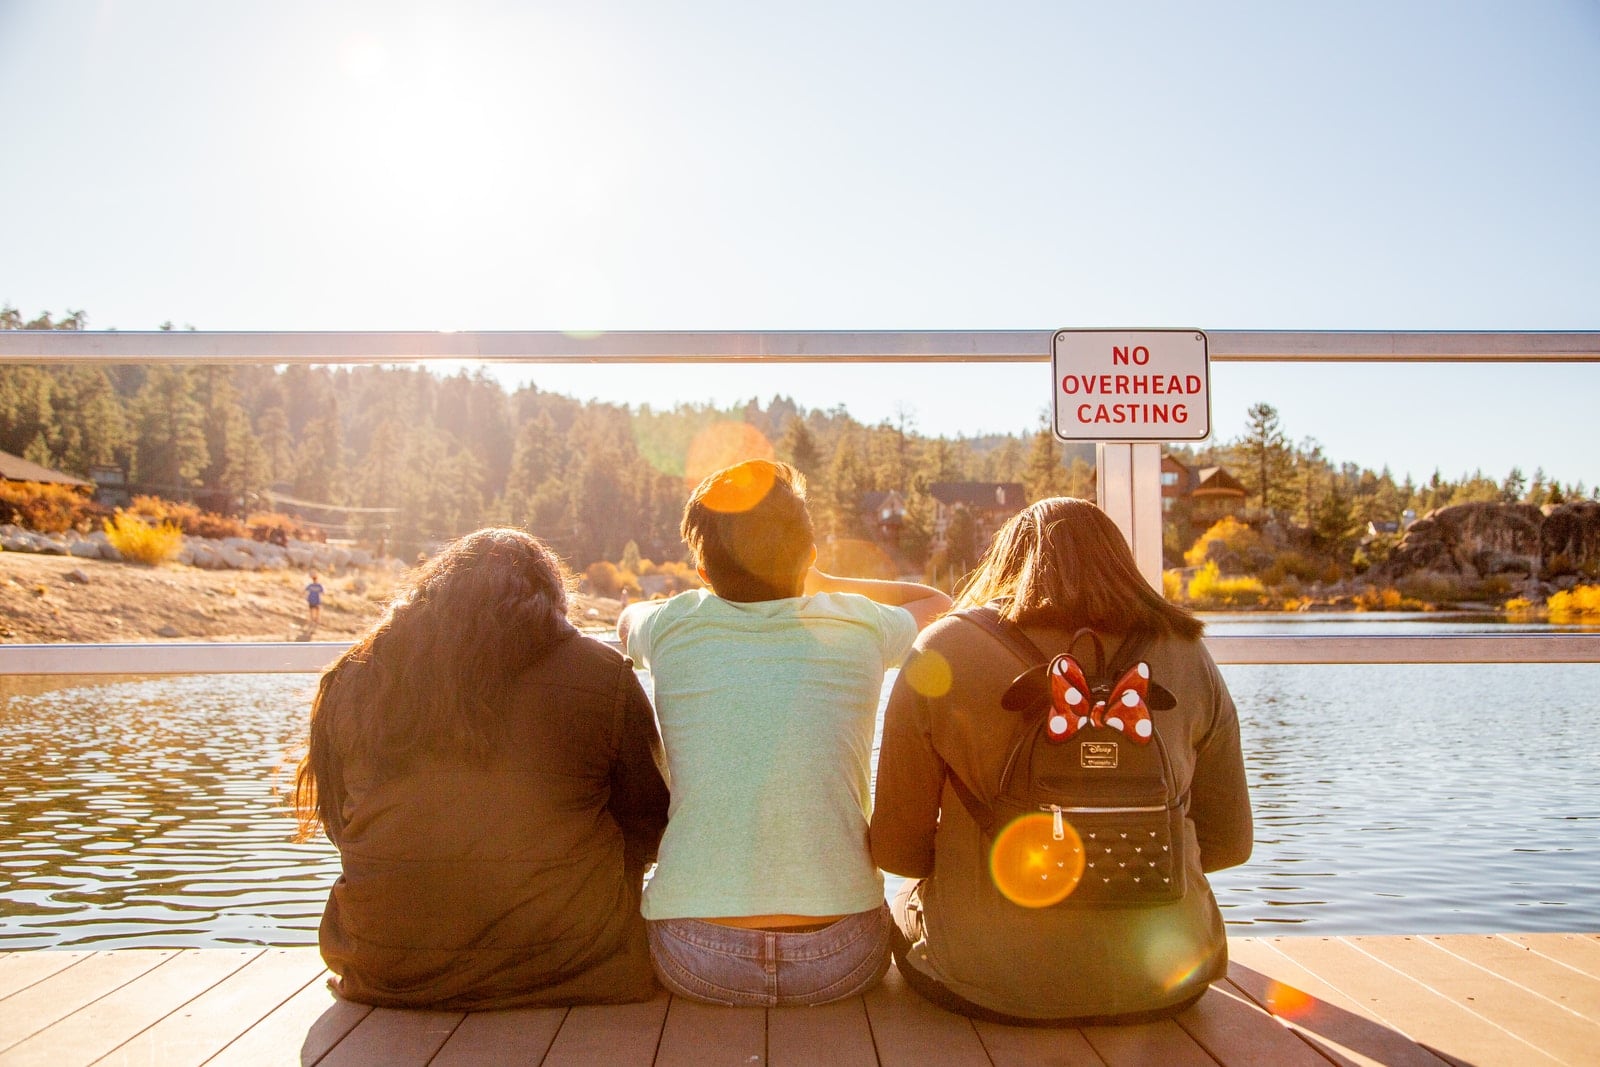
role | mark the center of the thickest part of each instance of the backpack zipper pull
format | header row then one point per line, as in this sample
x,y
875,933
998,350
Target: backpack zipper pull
x,y
1058,830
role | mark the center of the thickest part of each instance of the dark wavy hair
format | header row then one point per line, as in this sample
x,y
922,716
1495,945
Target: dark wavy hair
x,y
432,675
1063,562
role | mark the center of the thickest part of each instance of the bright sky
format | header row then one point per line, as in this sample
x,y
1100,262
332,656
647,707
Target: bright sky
x,y
702,166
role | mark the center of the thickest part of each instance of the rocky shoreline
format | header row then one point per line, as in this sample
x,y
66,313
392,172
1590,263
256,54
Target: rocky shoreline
x,y
207,553
66,598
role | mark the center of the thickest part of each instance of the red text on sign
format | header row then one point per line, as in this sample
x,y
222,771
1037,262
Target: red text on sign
x,y
1125,384
1124,414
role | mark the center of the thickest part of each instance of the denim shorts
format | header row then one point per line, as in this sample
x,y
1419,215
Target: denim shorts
x,y
761,968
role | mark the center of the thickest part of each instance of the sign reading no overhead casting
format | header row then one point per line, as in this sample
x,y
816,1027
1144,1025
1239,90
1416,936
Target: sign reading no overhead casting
x,y
1131,385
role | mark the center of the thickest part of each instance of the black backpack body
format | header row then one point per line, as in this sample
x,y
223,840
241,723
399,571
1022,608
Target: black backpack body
x,y
1110,795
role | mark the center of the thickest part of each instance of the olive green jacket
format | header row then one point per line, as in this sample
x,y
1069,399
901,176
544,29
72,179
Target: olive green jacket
x,y
944,718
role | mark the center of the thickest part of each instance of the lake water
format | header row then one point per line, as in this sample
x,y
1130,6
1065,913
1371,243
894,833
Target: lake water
x,y
1388,799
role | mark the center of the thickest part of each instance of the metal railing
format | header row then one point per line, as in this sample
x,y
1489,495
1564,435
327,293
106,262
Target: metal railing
x,y
776,346
311,657
739,347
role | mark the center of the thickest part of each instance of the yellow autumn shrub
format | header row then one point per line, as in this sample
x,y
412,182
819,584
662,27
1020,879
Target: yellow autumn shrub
x,y
141,542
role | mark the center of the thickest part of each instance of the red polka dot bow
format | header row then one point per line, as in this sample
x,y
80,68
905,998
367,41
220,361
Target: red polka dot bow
x,y
1075,705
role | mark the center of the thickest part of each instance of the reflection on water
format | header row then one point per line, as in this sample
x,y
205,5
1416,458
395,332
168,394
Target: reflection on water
x,y
144,814
1388,798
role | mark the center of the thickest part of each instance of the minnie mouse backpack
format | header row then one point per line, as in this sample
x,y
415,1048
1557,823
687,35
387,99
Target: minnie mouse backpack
x,y
1088,766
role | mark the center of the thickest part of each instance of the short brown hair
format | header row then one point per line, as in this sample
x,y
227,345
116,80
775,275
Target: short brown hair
x,y
749,528
1063,561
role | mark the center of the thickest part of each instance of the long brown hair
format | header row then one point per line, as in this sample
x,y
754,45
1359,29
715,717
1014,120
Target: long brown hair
x,y
1063,562
430,676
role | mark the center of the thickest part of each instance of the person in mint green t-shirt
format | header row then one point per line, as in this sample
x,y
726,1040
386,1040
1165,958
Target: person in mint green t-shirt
x,y
766,687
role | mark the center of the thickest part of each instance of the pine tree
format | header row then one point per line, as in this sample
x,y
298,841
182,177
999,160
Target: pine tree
x,y
798,448
169,434
1044,475
1264,460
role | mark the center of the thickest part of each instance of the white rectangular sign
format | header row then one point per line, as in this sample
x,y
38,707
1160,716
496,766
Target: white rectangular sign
x,y
1131,385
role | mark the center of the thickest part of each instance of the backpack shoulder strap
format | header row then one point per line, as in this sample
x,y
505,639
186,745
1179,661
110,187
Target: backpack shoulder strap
x,y
1007,633
981,813
1129,652
1020,645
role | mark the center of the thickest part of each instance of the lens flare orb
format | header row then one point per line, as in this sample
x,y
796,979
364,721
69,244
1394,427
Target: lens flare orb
x,y
928,673
1037,860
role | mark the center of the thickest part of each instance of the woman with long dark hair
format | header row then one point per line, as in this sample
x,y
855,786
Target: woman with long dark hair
x,y
1060,766
492,781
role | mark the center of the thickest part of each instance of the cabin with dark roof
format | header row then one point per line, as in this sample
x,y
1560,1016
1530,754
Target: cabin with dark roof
x,y
1199,496
989,503
17,469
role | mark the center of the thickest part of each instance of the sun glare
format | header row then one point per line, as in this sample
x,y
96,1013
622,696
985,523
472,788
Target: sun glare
x,y
362,60
722,445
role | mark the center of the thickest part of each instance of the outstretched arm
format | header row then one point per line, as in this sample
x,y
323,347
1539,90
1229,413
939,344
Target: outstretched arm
x,y
629,619
923,601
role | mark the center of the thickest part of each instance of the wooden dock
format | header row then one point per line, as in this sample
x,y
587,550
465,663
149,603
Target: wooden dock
x,y
1478,1000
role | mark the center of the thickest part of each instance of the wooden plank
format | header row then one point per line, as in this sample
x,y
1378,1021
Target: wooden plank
x,y
300,1032
1431,1019
205,1025
1262,956
703,1035
104,1025
520,1035
619,1035
43,1003
1581,952
828,1035
1234,1030
1497,999
908,1030
1161,1042
1551,979
1025,1046
21,969
1346,1036
394,1038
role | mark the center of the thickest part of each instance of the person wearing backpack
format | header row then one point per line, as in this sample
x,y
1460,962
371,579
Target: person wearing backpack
x,y
767,686
1060,766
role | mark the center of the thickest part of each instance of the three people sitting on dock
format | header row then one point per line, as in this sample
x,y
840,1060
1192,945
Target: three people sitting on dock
x,y
493,782
766,688
979,929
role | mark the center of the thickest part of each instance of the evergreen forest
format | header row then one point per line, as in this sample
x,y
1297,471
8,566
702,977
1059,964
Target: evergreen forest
x,y
401,454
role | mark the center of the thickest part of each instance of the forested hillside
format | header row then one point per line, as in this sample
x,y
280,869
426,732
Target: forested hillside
x,y
401,453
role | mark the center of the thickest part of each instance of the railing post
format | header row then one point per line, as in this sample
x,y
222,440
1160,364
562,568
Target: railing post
x,y
1128,489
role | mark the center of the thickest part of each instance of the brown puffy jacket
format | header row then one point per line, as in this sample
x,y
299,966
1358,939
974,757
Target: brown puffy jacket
x,y
516,882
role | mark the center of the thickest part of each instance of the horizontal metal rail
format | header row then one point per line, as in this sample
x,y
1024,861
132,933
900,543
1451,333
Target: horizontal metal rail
x,y
312,657
864,346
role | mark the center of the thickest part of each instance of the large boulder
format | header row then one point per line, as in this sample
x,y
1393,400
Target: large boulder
x,y
1570,538
1478,540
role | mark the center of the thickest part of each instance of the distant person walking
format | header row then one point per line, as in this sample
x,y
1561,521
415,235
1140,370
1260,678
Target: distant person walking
x,y
313,602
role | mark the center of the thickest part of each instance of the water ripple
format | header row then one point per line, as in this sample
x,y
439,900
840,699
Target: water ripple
x,y
1388,799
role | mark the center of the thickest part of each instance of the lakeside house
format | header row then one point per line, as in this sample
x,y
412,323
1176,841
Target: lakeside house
x,y
16,469
989,504
884,514
1199,496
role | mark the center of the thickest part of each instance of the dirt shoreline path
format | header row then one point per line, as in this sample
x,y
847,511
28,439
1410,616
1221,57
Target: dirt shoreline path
x,y
62,599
